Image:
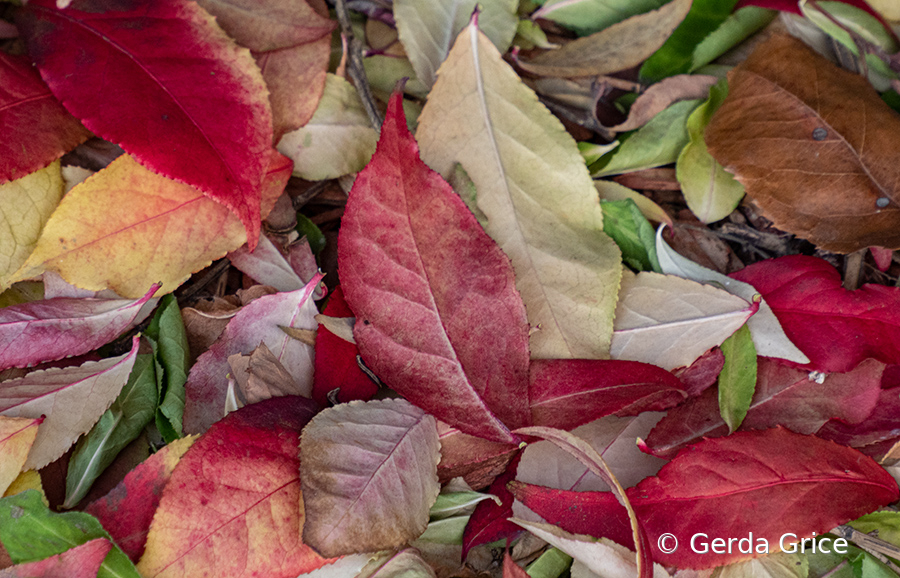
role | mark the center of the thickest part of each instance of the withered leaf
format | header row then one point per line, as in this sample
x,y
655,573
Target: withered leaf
x,y
814,145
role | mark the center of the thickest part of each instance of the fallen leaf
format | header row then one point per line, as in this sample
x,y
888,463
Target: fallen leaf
x,y
16,439
36,128
773,481
490,520
168,338
25,205
422,276
737,380
260,375
813,146
532,185
477,460
52,329
127,510
237,489
258,322
163,230
627,226
670,322
835,328
783,396
266,265
406,563
72,399
880,425
80,562
149,71
428,28
369,476
618,47
662,94
510,568
612,191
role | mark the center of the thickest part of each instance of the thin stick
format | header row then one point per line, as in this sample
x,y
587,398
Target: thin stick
x,y
356,70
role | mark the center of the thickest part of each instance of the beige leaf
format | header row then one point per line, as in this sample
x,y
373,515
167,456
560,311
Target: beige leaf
x,y
260,375
534,189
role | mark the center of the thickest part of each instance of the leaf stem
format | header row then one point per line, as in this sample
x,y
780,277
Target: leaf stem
x,y
356,70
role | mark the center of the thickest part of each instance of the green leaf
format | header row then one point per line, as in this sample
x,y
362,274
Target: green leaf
x,y
30,531
170,349
867,566
457,503
886,525
737,381
313,234
677,54
657,143
710,191
117,427
624,222
446,531
550,564
734,30
589,16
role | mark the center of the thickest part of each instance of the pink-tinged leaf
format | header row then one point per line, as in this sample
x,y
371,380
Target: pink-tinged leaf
x,y
881,425
79,562
71,398
36,128
127,510
490,520
438,315
52,329
883,257
17,435
784,396
510,568
768,482
336,366
477,460
834,327
160,72
266,265
567,393
369,475
258,322
236,490
703,373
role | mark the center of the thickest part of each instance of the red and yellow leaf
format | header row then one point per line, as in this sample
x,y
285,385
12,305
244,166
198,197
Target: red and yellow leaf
x,y
17,435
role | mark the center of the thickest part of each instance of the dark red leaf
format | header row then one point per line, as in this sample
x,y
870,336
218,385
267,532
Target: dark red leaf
x,y
703,373
883,424
490,522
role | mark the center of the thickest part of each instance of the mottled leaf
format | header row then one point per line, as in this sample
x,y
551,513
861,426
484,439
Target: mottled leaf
x,y
16,438
79,562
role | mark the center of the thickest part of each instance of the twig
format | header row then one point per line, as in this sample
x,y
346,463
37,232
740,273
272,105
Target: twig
x,y
874,546
356,70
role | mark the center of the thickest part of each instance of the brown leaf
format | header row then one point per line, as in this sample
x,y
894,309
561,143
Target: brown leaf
x,y
814,146
660,95
261,376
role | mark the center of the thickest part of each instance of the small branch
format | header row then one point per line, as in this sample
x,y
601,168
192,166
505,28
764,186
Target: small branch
x,y
356,70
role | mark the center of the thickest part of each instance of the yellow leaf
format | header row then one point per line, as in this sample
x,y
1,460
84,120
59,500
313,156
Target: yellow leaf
x,y
25,206
27,480
126,228
16,438
534,189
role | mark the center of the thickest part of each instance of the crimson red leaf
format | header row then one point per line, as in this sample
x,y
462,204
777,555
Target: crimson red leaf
x,y
566,393
703,373
834,327
336,366
784,396
438,317
36,128
768,483
165,83
490,521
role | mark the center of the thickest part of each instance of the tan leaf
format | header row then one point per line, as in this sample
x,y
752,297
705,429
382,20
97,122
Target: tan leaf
x,y
260,375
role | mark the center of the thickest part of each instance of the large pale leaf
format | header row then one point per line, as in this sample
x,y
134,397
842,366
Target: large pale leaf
x,y
369,475
21,220
127,227
52,329
231,506
623,45
147,72
533,187
814,146
423,278
258,322
670,322
72,399
17,435
427,29
36,128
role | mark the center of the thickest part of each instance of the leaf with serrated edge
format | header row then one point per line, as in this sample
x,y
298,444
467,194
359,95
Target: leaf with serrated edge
x,y
72,398
369,476
768,336
670,322
533,187
737,380
16,438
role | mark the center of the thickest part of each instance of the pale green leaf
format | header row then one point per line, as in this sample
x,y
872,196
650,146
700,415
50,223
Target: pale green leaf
x,y
458,503
775,565
406,563
427,28
711,192
446,531
529,35
533,188
337,140
550,564
737,380
737,27
588,16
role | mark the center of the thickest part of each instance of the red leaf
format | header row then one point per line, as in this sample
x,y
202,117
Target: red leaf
x,y
784,396
770,483
438,315
567,393
236,490
834,327
490,521
82,561
165,83
477,460
36,128
510,568
883,424
336,366
703,373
